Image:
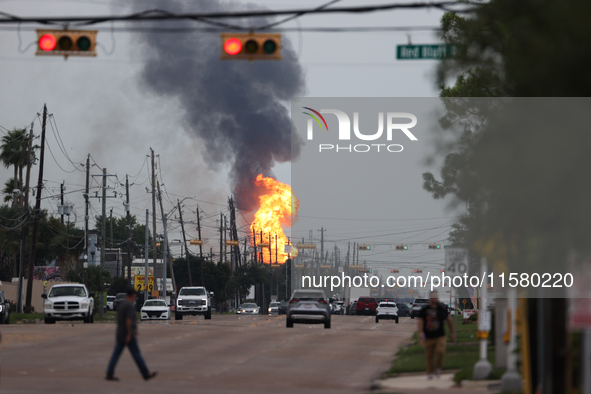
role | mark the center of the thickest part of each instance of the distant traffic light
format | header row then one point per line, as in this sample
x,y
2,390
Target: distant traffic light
x,y
364,247
401,247
368,270
434,246
251,46
394,271
419,271
66,42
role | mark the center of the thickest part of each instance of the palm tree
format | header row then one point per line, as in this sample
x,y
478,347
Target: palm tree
x,y
13,152
9,186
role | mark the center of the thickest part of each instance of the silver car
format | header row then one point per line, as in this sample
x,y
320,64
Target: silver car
x,y
308,306
249,309
273,308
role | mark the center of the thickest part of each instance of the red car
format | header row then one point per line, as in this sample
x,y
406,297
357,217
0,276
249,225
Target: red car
x,y
366,306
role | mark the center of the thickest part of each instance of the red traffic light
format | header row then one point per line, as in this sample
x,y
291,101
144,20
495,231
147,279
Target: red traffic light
x,y
251,46
47,42
65,42
232,46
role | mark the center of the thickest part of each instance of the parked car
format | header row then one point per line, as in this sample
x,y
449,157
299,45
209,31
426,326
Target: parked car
x,y
308,306
273,308
193,301
4,310
417,305
366,306
110,301
338,308
353,308
249,309
68,302
282,310
155,310
387,310
403,309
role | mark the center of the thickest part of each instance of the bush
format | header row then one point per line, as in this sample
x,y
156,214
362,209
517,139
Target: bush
x,y
473,317
29,309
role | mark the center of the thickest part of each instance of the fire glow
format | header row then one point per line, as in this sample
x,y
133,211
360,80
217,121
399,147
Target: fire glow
x,y
278,206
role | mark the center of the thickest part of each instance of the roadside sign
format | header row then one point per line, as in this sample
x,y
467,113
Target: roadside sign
x,y
425,51
469,312
139,283
456,261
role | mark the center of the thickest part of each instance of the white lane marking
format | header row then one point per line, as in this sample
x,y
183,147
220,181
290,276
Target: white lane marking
x,y
376,326
364,320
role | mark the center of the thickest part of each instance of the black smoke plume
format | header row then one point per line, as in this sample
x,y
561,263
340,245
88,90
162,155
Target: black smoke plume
x,y
236,107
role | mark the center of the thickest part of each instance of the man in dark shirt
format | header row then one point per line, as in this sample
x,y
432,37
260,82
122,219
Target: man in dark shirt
x,y
432,334
127,336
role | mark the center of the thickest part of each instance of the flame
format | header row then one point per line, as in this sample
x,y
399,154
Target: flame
x,y
277,206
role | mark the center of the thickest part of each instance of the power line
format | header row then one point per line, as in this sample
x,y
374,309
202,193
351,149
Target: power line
x,y
160,15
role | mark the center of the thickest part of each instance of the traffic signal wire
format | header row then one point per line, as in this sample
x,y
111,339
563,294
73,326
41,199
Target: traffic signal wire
x,y
158,15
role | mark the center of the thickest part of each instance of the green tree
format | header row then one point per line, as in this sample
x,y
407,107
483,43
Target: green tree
x,y
14,148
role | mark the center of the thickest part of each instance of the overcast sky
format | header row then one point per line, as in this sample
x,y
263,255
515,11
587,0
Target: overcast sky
x,y
101,108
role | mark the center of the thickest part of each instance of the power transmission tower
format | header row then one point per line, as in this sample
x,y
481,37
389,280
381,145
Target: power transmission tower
x,y
185,242
37,212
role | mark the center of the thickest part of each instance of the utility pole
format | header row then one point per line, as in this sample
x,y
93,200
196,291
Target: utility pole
x,y
24,230
37,211
166,251
185,242
155,252
103,251
87,190
62,200
146,248
164,256
128,218
221,234
225,246
111,223
200,247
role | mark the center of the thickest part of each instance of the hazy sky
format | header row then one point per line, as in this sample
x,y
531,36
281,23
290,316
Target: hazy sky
x,y
100,106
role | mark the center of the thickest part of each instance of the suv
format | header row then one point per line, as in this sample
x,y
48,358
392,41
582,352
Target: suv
x,y
193,301
308,306
417,305
68,302
366,306
387,310
4,310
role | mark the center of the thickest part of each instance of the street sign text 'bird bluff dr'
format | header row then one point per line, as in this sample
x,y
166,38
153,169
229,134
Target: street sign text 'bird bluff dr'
x,y
414,52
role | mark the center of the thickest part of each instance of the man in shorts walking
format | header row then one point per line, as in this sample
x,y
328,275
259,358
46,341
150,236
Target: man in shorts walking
x,y
127,336
432,333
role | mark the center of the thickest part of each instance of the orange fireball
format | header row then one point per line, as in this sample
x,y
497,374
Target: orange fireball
x,y
277,206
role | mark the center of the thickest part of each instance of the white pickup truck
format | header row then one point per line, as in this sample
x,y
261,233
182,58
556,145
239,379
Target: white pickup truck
x,y
193,301
68,302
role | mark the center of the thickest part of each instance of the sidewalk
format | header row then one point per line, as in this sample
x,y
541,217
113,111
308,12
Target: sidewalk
x,y
419,384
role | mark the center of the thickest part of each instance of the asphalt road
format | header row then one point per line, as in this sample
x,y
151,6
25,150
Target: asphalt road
x,y
227,354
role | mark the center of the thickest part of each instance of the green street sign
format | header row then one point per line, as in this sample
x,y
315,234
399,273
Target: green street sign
x,y
426,52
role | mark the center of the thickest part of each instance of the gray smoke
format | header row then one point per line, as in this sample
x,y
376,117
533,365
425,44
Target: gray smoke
x,y
234,106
